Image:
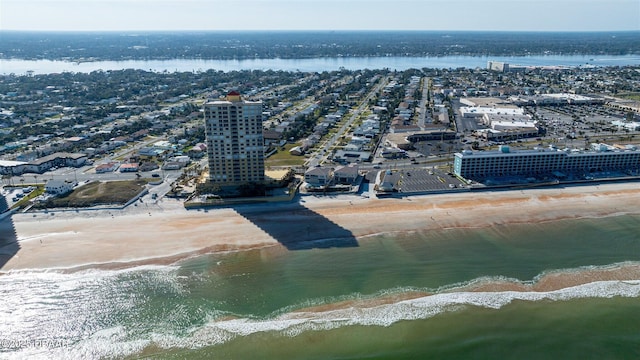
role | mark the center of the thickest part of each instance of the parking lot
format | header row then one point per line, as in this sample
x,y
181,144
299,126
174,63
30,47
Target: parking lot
x,y
422,180
15,194
573,121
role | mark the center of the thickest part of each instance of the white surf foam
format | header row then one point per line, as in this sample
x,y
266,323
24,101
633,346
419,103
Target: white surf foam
x,y
35,304
118,342
294,323
109,343
44,274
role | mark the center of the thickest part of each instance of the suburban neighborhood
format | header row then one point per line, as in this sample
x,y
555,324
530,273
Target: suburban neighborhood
x,y
365,131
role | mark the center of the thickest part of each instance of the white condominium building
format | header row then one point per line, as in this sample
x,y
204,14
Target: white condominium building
x,y
233,128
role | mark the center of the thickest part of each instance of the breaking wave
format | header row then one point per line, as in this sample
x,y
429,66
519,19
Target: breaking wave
x,y
217,327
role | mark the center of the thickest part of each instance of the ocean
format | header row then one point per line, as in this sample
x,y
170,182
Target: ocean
x,y
393,296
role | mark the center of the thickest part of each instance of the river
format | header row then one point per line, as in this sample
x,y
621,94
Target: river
x,y
400,63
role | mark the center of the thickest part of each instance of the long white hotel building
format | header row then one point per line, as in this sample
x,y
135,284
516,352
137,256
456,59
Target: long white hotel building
x,y
487,164
233,128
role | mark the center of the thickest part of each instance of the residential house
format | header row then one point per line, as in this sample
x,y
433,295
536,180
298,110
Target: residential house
x,y
352,147
59,187
129,167
271,137
148,166
184,159
105,168
283,126
172,165
149,151
346,175
297,151
318,176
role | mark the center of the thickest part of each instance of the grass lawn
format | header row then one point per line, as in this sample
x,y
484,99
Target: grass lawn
x,y
284,158
100,193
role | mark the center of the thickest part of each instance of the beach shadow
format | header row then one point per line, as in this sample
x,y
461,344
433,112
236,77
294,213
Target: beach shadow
x,y
297,227
9,245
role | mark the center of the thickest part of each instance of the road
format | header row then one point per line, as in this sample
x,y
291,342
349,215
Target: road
x,y
320,155
422,112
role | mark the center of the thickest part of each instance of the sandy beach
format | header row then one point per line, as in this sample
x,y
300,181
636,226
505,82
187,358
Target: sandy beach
x,y
165,232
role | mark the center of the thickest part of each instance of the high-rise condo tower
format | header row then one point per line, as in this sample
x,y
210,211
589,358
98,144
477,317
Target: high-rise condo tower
x,y
234,141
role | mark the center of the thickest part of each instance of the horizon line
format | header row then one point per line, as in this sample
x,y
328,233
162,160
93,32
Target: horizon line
x,y
310,31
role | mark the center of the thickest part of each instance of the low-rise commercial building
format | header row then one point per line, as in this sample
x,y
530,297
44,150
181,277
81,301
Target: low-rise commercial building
x,y
507,134
43,164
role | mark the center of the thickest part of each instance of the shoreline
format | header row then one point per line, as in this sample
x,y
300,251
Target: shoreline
x,y
165,233
548,282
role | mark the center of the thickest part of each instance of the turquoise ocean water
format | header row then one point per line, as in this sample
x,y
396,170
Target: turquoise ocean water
x,y
401,296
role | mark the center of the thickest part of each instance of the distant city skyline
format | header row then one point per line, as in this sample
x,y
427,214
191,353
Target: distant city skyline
x,y
219,15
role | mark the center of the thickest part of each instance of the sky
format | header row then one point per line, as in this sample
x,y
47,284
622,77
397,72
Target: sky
x,y
187,15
